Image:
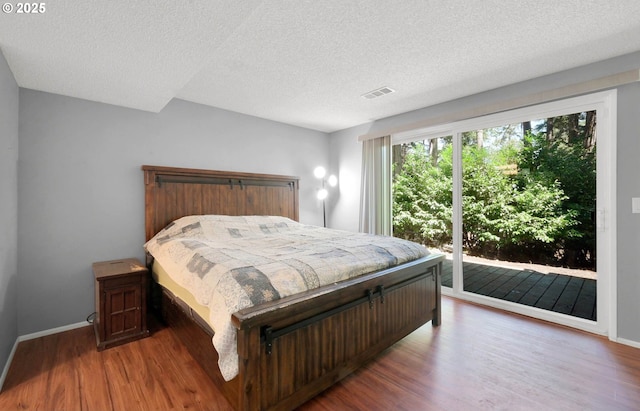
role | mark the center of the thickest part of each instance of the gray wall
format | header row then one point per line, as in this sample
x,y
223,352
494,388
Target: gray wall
x,y
628,186
8,211
81,196
346,156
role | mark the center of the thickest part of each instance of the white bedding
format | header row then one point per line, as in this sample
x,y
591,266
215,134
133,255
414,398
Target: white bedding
x,y
230,263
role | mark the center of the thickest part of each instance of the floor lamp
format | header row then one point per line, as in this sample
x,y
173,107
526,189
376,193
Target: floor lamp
x,y
320,173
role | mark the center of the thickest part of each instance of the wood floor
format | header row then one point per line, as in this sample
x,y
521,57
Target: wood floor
x,y
479,359
560,293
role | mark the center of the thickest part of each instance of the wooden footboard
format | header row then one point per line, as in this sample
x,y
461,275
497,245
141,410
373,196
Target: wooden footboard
x,y
292,349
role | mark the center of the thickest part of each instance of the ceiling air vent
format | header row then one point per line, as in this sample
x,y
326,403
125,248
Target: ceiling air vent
x,y
378,92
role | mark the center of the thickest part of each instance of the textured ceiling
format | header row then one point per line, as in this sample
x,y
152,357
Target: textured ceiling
x,y
302,62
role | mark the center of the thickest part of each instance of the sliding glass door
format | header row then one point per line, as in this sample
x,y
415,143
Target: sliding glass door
x,y
521,202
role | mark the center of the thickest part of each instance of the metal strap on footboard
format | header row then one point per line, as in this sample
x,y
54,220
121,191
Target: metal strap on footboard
x,y
268,334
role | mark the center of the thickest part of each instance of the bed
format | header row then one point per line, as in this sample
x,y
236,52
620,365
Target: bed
x,y
292,348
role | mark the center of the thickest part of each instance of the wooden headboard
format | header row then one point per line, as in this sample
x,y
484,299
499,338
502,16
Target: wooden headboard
x,y
171,193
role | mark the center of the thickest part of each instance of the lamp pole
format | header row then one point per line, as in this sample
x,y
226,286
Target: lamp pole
x,y
324,213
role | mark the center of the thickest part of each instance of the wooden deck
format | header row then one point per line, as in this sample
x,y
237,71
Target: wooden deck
x,y
560,293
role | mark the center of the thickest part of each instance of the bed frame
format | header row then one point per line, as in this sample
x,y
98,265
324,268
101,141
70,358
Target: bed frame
x,y
293,348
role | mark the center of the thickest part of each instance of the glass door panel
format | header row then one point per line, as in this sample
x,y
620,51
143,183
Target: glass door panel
x,y
528,213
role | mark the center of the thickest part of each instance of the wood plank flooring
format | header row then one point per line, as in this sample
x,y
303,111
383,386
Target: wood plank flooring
x,y
478,359
553,292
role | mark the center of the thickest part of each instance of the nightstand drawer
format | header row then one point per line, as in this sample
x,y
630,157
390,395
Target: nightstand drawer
x,y
132,279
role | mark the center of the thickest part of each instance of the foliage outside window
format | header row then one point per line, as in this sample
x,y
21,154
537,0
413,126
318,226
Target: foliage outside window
x,y
528,191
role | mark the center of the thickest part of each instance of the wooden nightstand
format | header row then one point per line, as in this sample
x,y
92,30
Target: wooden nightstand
x,y
121,302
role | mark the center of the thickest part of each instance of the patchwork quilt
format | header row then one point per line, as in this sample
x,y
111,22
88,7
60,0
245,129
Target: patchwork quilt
x,y
229,263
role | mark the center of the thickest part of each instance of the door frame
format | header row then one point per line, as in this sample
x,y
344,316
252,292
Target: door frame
x,y
605,104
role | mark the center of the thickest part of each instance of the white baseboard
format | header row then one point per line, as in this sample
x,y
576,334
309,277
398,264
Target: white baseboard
x,y
630,343
52,331
31,337
8,364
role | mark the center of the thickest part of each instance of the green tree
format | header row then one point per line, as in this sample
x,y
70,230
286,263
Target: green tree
x,y
526,197
422,199
571,163
502,218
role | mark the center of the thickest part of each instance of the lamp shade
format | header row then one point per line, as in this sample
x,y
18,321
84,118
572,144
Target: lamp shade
x,y
322,194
